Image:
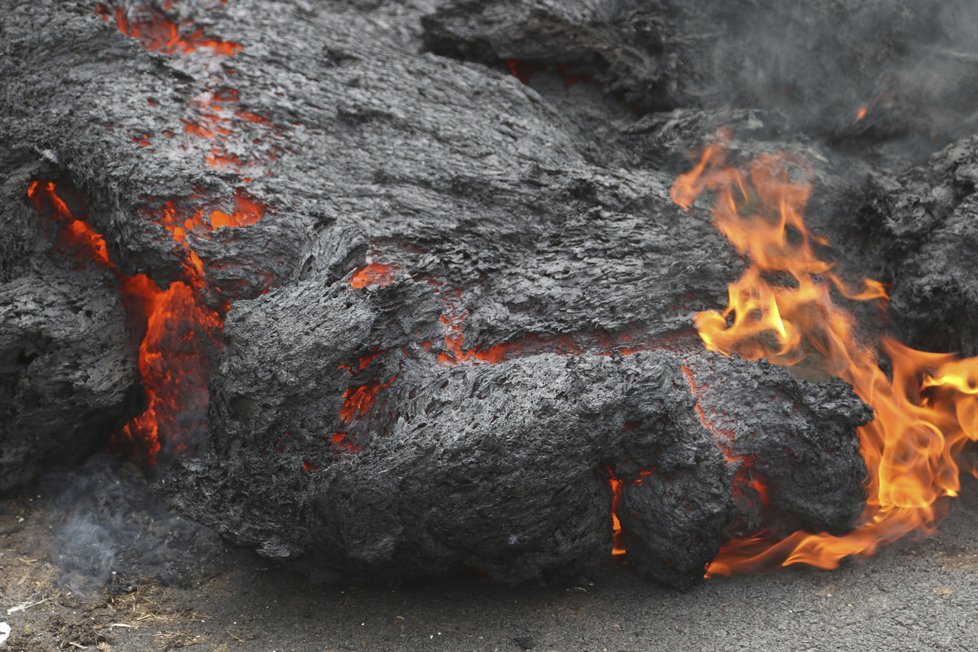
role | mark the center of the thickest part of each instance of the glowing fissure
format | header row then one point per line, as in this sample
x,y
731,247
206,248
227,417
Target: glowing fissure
x,y
358,400
618,545
214,116
341,440
173,365
373,274
215,113
245,211
747,484
604,344
177,328
784,309
156,32
524,71
573,344
179,332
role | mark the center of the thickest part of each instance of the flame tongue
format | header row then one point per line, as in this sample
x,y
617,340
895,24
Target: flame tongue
x,y
783,309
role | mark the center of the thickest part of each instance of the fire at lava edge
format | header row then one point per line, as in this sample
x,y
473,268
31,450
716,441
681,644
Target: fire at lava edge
x,y
788,308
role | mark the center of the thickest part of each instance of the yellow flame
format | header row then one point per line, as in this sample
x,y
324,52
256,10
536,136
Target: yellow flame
x,y
783,309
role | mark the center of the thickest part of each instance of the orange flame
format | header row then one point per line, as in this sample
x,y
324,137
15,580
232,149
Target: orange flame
x,y
783,309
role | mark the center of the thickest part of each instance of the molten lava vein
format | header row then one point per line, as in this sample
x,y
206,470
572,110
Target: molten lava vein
x,y
172,364
179,332
157,33
786,308
618,546
373,274
177,329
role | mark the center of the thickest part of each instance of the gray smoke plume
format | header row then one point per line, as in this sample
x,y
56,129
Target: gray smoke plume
x,y
900,72
889,77
111,531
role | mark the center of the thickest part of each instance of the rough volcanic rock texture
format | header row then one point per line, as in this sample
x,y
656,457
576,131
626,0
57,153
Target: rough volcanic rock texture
x,y
454,314
925,224
504,467
67,369
818,62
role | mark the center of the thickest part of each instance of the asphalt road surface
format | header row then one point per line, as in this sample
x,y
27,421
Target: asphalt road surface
x,y
919,594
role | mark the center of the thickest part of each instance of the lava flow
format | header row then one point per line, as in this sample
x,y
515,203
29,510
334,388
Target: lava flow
x,y
784,309
618,545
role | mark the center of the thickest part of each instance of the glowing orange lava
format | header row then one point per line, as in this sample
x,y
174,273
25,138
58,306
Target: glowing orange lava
x,y
373,274
573,344
358,400
342,440
786,309
218,158
496,353
77,234
173,360
157,33
176,329
618,547
172,364
246,211
519,69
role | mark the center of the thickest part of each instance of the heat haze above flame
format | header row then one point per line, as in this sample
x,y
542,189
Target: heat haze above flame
x,y
788,307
